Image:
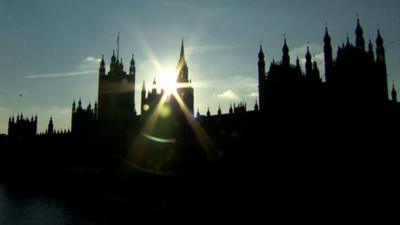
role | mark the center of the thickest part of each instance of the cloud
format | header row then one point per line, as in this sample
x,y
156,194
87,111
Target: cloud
x,y
88,66
229,94
253,94
53,75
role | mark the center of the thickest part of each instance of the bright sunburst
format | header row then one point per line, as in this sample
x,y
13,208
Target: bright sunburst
x,y
167,80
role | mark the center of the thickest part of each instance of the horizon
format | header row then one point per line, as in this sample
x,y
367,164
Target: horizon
x,y
222,59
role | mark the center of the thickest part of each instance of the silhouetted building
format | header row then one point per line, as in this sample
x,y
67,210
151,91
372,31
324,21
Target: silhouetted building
x,y
354,77
22,127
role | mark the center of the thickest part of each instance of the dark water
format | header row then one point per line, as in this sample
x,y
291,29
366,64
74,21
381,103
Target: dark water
x,y
59,203
24,205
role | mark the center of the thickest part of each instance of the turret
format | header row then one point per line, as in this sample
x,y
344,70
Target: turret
x,y
381,67
50,127
256,107
208,112
394,94
285,56
132,68
143,97
371,51
113,62
316,72
309,70
328,56
102,69
219,112
360,42
73,106
261,75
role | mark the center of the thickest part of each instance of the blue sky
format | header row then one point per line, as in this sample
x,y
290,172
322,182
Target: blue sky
x,y
49,49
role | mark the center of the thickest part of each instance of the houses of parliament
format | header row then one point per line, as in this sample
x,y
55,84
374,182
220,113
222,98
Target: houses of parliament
x,y
299,119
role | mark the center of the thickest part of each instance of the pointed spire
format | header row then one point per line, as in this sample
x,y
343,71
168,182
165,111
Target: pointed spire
x,y
182,55
154,81
219,110
208,112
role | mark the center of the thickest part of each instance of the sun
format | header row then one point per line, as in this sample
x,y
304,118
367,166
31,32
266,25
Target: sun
x,y
167,81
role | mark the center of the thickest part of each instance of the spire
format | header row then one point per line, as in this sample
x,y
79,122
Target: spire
x,y
256,106
182,55
219,110
198,113
208,112
230,109
154,81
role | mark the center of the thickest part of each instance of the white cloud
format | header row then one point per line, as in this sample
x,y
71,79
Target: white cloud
x,y
229,94
89,63
88,66
53,75
253,94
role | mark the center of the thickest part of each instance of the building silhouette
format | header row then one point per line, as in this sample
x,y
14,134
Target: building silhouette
x,y
295,108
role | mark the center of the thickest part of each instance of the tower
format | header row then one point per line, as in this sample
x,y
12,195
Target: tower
x,y
328,57
185,89
116,92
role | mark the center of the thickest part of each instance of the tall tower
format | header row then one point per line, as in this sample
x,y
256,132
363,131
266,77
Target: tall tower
x,y
261,78
328,57
185,89
381,68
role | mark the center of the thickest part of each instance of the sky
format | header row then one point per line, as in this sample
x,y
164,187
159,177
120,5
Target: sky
x,y
50,49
